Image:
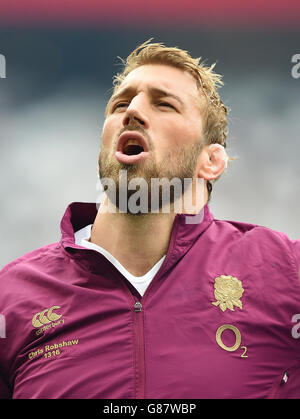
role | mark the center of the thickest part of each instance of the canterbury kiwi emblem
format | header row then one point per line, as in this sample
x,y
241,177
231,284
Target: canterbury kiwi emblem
x,y
46,316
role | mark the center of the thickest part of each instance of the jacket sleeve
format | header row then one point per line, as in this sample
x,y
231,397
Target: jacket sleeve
x,y
5,341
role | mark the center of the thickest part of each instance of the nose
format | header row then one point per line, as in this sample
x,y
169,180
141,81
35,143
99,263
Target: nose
x,y
135,113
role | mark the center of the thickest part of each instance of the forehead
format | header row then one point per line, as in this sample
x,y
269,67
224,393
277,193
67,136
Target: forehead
x,y
164,77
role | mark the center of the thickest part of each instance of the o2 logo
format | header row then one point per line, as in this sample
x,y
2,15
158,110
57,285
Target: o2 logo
x,y
296,68
238,340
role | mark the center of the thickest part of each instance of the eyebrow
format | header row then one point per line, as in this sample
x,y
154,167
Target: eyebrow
x,y
154,90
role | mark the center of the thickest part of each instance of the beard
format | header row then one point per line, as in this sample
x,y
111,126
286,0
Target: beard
x,y
179,165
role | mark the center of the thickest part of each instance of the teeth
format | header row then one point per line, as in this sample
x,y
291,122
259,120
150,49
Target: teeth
x,y
132,142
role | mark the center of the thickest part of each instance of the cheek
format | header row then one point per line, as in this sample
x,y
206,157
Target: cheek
x,y
168,133
109,133
178,135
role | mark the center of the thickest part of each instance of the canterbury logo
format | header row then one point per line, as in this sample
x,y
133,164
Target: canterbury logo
x,y
46,316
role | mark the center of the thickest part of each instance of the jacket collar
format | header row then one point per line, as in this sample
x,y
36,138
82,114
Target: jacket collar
x,y
76,216
186,228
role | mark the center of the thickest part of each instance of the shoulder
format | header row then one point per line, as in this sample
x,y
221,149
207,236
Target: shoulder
x,y
34,260
263,242
249,231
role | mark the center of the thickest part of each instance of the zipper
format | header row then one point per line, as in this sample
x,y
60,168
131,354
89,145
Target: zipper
x,y
138,318
139,361
139,351
138,314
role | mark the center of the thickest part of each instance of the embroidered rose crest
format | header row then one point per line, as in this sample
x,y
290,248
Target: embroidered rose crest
x,y
228,291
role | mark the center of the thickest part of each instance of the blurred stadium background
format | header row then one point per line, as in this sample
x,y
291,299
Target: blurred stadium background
x,y
60,59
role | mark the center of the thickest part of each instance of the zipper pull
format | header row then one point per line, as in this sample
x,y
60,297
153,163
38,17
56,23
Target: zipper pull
x,y
138,307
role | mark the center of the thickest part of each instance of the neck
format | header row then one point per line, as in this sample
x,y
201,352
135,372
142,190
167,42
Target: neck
x,y
138,242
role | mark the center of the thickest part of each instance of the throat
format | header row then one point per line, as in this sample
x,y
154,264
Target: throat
x,y
143,244
132,150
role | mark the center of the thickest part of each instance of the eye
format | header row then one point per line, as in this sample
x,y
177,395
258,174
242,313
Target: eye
x,y
166,104
120,105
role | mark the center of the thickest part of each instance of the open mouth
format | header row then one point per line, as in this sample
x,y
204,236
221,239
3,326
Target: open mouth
x,y
132,148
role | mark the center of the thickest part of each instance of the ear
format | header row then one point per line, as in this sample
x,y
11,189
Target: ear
x,y
212,161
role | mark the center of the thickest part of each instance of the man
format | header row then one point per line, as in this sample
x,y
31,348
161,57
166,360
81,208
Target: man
x,y
137,301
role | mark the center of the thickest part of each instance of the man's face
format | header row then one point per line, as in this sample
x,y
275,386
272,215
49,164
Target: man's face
x,y
161,104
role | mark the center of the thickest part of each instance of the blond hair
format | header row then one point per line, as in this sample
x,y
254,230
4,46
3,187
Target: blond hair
x,y
214,113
